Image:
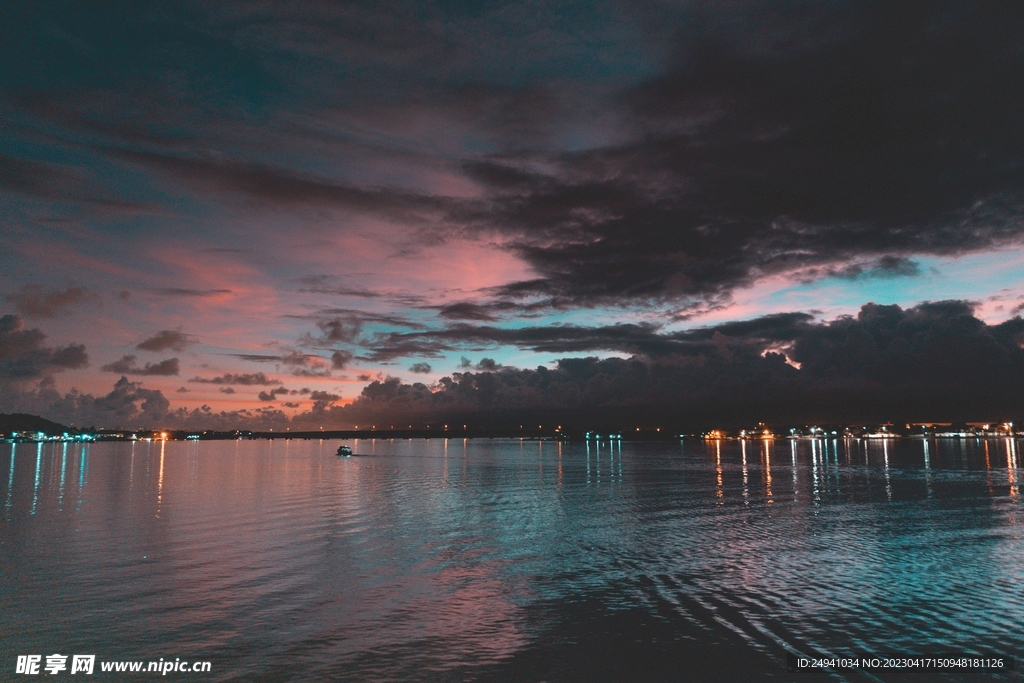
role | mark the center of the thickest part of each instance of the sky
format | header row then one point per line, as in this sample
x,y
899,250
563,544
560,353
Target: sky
x,y
316,213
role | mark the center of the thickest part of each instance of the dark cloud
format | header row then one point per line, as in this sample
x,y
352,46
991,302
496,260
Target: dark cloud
x,y
182,390
883,133
633,338
24,356
128,365
272,394
256,357
488,364
300,364
128,405
421,368
932,362
166,340
505,301
197,293
226,390
322,403
244,379
34,301
312,372
342,325
634,152
287,188
306,365
886,267
935,361
339,359
296,359
467,310
341,329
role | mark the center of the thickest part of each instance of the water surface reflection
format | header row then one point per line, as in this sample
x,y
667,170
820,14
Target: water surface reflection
x,y
510,560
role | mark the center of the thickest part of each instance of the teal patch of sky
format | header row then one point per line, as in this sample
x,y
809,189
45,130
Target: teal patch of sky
x,y
595,317
971,277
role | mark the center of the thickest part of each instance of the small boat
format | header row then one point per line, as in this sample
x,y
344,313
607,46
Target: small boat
x,y
344,451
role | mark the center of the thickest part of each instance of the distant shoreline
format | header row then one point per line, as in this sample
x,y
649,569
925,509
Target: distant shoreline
x,y
30,428
110,436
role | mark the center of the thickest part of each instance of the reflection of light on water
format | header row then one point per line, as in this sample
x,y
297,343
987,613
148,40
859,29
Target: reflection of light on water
x,y
63,472
746,494
559,464
160,480
39,465
835,470
619,443
193,461
888,482
814,471
372,571
768,470
792,450
10,478
719,488
287,456
540,462
83,464
988,469
928,466
444,469
588,463
1011,466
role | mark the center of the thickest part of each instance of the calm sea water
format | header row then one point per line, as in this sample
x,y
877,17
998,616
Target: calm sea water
x,y
498,560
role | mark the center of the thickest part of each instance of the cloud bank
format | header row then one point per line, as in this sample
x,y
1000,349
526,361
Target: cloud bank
x,y
24,356
932,362
128,365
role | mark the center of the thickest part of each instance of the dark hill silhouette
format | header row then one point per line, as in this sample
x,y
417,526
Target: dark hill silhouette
x,y
21,422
